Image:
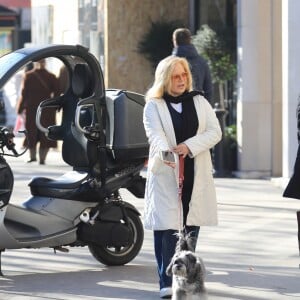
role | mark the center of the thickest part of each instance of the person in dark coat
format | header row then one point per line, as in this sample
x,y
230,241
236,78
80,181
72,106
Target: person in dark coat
x,y
198,65
293,188
38,85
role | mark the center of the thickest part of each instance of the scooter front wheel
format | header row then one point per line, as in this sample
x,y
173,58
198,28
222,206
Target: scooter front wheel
x,y
116,256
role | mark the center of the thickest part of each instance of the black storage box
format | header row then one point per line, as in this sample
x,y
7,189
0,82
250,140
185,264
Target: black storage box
x,y
126,136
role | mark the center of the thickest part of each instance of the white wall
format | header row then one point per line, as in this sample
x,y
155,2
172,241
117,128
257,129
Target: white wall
x,y
254,107
60,23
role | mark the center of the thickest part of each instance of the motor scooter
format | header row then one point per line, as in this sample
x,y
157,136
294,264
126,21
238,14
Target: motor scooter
x,y
103,140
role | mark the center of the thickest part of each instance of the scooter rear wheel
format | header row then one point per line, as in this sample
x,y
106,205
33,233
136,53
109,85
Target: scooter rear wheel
x,y
116,256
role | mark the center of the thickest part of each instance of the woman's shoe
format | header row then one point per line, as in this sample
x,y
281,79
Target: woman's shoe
x,y
165,293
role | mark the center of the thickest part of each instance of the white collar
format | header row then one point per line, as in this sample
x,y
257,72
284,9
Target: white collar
x,y
177,107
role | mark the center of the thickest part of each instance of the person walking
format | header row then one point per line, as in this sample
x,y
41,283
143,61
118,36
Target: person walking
x,y
38,85
292,190
180,120
11,94
198,65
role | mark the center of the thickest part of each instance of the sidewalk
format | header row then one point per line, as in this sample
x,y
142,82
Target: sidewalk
x,y
252,253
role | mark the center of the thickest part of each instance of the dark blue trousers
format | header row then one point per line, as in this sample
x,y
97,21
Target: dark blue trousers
x,y
164,247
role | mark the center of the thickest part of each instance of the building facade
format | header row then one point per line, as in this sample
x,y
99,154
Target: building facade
x,y
15,22
268,88
267,58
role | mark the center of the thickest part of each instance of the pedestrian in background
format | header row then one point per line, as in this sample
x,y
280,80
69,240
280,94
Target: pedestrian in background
x,y
63,79
11,94
198,65
293,188
180,120
38,85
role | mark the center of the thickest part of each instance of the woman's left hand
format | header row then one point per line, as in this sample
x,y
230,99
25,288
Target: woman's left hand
x,y
170,164
182,149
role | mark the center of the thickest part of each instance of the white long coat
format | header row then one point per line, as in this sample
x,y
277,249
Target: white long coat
x,y
162,208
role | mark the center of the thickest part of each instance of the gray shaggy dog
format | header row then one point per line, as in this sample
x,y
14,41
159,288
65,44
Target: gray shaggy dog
x,y
188,271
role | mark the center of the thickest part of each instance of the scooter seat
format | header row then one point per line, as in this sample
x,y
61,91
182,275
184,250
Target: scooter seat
x,y
69,180
72,185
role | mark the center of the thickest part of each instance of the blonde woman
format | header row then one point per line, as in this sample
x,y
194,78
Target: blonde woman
x,y
182,121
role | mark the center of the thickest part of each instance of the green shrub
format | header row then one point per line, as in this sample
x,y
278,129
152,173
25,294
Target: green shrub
x,y
156,43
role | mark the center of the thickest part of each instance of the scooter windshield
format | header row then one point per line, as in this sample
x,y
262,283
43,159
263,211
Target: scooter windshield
x,y
8,60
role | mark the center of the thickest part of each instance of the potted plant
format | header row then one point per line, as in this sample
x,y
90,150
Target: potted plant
x,y
217,49
220,59
230,141
156,43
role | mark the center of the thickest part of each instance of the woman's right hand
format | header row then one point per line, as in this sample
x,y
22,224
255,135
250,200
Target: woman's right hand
x,y
182,149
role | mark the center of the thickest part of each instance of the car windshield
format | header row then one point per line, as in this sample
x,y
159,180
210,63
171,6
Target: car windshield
x,y
6,61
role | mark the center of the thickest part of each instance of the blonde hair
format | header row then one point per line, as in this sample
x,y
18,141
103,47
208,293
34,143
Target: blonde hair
x,y
163,76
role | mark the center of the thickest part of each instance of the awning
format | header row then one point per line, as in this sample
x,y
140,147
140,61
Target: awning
x,y
8,17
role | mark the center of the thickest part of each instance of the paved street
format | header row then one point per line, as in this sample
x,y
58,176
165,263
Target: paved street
x,y
252,254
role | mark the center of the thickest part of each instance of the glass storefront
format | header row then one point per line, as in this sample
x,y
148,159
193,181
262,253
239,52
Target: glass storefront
x,y
5,41
221,16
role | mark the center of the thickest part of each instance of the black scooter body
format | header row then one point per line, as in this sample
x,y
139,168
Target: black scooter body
x,y
107,150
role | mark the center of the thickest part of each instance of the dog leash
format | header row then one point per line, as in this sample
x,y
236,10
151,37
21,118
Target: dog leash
x,y
180,187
